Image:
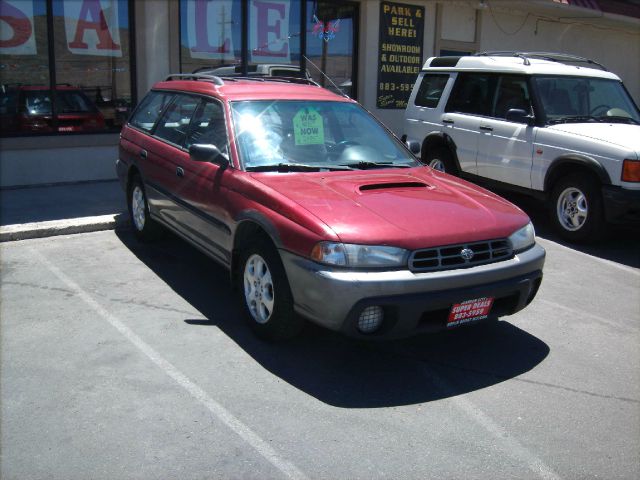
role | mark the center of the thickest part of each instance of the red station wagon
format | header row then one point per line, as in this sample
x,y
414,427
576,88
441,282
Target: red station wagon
x,y
319,212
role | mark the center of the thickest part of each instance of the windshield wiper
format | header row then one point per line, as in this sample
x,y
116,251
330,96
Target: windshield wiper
x,y
292,167
368,165
619,119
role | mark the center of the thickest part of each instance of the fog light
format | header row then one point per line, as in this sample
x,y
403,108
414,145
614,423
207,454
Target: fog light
x,y
370,319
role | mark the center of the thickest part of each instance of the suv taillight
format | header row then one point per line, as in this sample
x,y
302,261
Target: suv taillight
x,y
631,171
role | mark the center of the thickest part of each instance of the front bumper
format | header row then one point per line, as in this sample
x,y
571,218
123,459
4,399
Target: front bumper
x,y
621,205
412,302
122,170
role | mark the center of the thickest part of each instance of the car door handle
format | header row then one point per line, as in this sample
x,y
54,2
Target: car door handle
x,y
447,121
143,154
486,128
180,172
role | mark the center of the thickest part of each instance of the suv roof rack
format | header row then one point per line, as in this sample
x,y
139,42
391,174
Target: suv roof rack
x,y
195,76
550,56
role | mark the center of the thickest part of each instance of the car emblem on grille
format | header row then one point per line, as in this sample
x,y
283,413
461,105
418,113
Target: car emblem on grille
x,y
467,253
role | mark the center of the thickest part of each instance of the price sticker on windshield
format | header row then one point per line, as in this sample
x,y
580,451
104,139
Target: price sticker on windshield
x,y
308,127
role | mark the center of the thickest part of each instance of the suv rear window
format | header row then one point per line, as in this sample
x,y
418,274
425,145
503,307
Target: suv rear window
x,y
472,93
431,90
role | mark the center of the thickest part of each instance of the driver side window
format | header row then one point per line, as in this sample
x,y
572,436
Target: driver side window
x,y
208,126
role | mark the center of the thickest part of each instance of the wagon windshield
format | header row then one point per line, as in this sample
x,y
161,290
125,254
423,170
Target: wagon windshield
x,y
313,136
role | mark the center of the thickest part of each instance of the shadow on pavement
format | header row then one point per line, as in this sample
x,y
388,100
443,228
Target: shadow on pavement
x,y
337,370
620,244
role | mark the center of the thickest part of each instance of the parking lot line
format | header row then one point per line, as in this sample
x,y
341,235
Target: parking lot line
x,y
610,263
226,417
509,444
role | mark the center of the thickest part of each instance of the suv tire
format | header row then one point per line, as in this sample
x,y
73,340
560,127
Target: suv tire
x,y
576,208
440,158
144,227
265,294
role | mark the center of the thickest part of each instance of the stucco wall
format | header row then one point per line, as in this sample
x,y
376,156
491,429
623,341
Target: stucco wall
x,y
616,45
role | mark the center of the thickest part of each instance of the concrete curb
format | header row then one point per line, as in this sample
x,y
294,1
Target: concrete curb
x,y
24,231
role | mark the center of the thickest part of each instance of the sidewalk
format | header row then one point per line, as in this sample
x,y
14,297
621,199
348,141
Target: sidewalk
x,y
34,212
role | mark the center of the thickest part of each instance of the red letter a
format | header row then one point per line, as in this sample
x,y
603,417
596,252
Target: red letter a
x,y
91,8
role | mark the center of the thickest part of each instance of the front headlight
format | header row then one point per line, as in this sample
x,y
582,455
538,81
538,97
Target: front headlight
x,y
523,238
350,255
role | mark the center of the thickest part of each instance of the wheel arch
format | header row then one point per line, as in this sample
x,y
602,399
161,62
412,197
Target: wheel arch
x,y
439,140
571,164
250,227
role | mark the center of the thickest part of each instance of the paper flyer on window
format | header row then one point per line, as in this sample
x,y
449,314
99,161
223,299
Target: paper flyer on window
x,y
17,35
209,29
92,27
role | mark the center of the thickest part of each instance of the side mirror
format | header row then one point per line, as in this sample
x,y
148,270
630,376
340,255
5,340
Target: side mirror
x,y
208,153
519,115
413,146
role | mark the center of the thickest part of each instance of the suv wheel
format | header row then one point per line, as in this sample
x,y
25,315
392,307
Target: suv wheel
x,y
265,292
440,159
144,227
576,208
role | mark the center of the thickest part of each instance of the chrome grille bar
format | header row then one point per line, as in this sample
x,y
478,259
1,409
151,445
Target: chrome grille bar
x,y
463,255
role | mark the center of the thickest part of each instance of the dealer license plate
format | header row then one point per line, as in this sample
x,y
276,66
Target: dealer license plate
x,y
469,311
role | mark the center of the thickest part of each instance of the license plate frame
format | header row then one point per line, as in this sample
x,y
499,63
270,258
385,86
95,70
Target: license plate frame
x,y
469,311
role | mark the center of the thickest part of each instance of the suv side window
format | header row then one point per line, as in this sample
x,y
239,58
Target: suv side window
x,y
149,110
472,93
431,90
175,121
208,126
513,92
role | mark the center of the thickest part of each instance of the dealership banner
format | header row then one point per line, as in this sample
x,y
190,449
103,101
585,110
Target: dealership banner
x,y
92,27
17,36
269,31
209,29
399,53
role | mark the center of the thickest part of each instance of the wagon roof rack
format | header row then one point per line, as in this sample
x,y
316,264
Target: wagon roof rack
x,y
195,76
269,78
220,80
549,56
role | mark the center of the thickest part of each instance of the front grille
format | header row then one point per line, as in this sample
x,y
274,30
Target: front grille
x,y
453,256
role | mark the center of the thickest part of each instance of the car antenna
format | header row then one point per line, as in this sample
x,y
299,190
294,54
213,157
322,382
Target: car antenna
x,y
326,76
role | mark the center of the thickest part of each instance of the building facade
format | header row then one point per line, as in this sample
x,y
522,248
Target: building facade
x,y
72,70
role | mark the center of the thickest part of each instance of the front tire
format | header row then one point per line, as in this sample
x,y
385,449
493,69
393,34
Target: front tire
x,y
576,208
440,159
265,293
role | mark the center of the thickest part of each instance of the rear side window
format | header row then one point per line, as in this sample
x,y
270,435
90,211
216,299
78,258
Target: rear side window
x,y
431,90
174,124
472,93
149,110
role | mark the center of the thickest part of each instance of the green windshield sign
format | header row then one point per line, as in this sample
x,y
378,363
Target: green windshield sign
x,y
308,128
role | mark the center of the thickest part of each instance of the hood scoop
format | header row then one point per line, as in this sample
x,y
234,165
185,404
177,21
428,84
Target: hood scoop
x,y
392,186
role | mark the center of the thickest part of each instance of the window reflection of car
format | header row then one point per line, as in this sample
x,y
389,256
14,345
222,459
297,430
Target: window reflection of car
x,y
28,109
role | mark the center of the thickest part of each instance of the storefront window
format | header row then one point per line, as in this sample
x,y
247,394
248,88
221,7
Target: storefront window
x,y
274,37
210,35
331,40
89,64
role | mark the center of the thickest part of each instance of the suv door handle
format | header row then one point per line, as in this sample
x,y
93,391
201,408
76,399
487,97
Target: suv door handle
x,y
486,128
143,154
180,172
447,121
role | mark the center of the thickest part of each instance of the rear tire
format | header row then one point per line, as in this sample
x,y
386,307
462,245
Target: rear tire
x,y
265,294
576,208
440,158
144,227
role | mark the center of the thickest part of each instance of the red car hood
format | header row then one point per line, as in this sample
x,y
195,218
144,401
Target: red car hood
x,y
410,208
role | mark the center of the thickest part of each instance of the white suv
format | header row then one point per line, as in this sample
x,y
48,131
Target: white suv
x,y
558,127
